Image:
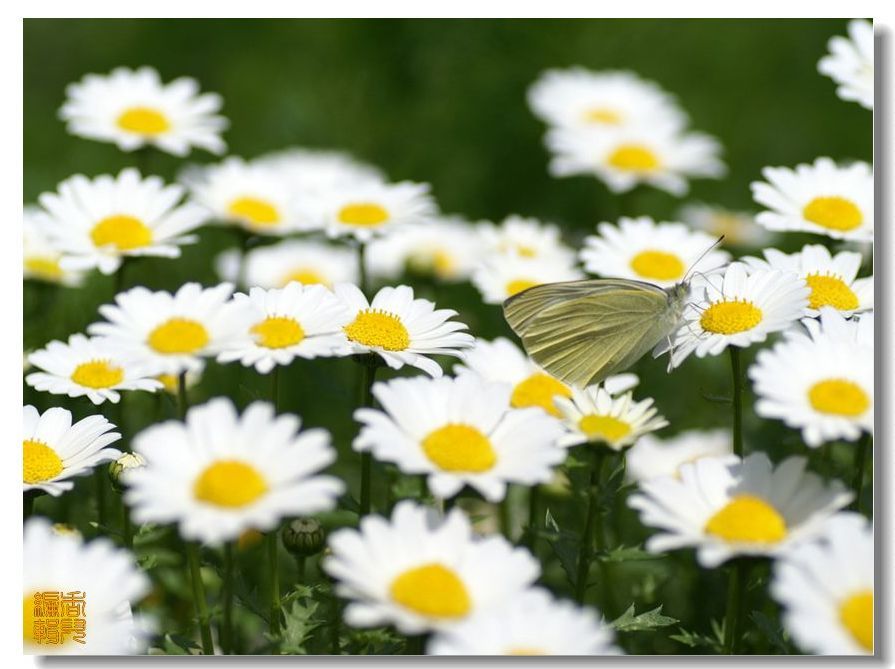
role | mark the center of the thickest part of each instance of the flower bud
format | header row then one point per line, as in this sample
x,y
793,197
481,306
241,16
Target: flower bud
x,y
304,537
123,464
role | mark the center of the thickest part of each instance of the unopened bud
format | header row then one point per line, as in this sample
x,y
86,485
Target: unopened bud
x,y
126,462
304,537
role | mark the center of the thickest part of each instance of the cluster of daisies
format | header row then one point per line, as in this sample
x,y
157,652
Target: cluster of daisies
x,y
323,227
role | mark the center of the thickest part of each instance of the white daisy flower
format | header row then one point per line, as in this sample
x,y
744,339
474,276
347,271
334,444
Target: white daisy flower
x,y
818,383
530,623
105,578
171,382
257,198
302,260
133,109
459,432
367,209
736,308
826,589
608,100
652,155
822,198
312,171
41,258
420,572
219,474
446,249
503,275
400,329
94,367
282,324
501,361
593,416
737,227
170,333
850,63
54,450
643,250
97,222
652,457
832,279
527,238
748,508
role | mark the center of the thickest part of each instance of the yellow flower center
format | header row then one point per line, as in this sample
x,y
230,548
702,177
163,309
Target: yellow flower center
x,y
304,275
44,267
433,261
539,390
657,265
518,285
363,214
278,332
251,537
833,213
525,650
374,327
432,590
830,291
730,317
634,158
730,226
748,519
170,381
229,483
604,428
97,374
856,614
144,121
459,448
39,462
838,397
254,210
178,335
603,115
123,232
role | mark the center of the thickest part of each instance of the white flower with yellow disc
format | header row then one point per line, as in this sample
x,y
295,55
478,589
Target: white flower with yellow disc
x,y
850,63
641,249
400,329
823,198
41,259
421,572
282,324
652,457
459,432
500,276
94,367
826,589
97,222
314,171
170,333
219,473
737,227
54,450
275,265
727,510
133,109
527,238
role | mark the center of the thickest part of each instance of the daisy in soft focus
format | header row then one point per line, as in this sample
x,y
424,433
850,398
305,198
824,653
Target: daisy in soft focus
x,y
282,324
820,380
653,155
832,279
737,227
400,329
726,510
736,308
302,260
97,222
501,276
312,171
826,589
41,258
421,572
652,457
54,450
823,198
526,238
257,198
641,249
593,416
105,578
94,367
531,623
170,333
133,109
446,249
459,432
850,63
219,474
607,100
171,382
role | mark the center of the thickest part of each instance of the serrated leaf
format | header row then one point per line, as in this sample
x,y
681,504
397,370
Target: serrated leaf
x,y
695,640
298,625
550,522
565,547
630,621
772,631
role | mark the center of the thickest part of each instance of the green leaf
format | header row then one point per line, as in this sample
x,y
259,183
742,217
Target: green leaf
x,y
773,632
174,644
565,547
628,554
298,626
695,640
629,621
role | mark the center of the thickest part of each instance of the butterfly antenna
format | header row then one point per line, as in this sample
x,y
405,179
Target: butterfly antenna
x,y
702,255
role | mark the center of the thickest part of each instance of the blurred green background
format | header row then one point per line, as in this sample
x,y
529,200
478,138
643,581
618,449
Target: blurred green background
x,y
443,101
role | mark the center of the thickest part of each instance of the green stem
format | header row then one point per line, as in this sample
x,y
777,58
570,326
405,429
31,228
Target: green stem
x,y
336,617
503,510
301,563
192,555
737,379
126,526
534,498
364,280
369,365
863,448
273,566
182,402
227,595
99,478
587,538
736,586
